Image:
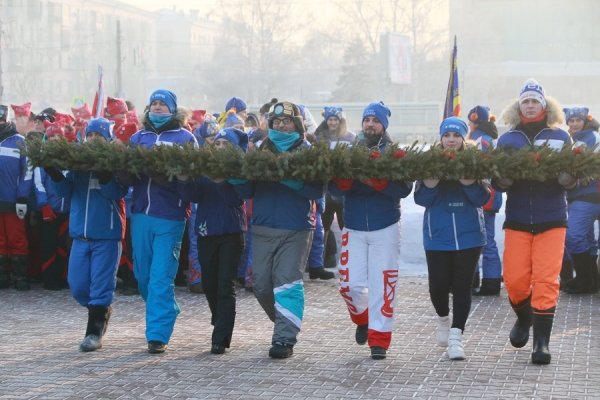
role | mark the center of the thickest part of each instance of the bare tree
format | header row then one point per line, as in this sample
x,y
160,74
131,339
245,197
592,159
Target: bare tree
x,y
255,50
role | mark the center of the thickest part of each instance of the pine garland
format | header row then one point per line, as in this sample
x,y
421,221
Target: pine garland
x,y
317,163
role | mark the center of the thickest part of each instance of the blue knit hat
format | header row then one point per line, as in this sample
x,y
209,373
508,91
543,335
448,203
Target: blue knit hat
x,y
532,90
166,97
333,111
454,124
102,126
232,120
576,112
379,111
237,103
208,128
234,136
479,114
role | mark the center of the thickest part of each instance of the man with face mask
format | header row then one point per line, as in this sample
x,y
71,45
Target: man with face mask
x,y
369,259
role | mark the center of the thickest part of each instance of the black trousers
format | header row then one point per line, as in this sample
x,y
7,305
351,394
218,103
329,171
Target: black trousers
x,y
220,258
452,271
332,207
54,251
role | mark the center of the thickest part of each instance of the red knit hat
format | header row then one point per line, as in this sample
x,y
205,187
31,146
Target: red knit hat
x,y
82,112
64,119
198,116
22,111
125,132
54,129
116,106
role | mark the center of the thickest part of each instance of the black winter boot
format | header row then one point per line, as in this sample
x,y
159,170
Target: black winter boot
x,y
320,273
4,272
595,274
519,334
584,265
566,273
20,264
96,328
476,281
330,254
542,327
489,287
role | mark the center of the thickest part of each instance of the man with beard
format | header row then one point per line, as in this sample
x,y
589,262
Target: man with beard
x,y
369,259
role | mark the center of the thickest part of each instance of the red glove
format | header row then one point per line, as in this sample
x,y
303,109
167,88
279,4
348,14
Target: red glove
x,y
48,213
343,184
488,206
377,184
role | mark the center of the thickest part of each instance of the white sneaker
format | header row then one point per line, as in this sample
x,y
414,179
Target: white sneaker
x,y
443,329
455,346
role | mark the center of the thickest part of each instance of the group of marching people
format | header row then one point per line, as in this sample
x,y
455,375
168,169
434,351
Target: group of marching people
x,y
280,228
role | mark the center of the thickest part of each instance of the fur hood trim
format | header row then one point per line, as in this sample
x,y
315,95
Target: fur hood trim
x,y
512,116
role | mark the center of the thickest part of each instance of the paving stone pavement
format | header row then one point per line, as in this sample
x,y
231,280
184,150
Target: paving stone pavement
x,y
40,332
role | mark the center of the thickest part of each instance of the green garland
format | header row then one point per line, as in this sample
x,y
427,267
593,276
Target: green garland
x,y
317,163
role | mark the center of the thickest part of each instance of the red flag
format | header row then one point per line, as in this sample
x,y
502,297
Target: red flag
x,y
452,106
98,107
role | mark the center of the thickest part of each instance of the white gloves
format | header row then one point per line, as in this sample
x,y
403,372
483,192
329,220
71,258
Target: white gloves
x,y
21,210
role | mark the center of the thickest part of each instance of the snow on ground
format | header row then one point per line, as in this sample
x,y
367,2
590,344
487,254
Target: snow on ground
x,y
412,254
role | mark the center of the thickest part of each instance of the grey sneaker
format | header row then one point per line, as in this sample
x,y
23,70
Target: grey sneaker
x,y
91,343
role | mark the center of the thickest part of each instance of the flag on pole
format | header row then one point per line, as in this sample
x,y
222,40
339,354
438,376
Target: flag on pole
x,y
98,107
452,107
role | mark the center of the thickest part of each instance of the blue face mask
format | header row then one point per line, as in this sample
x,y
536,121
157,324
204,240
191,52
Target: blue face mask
x,y
283,140
159,119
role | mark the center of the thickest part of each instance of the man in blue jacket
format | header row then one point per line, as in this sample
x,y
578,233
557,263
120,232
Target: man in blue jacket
x,y
370,253
15,187
97,226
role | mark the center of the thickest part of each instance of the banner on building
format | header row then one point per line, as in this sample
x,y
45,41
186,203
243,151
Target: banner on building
x,y
399,59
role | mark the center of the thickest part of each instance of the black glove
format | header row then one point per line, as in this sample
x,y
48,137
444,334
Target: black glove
x,y
54,173
104,177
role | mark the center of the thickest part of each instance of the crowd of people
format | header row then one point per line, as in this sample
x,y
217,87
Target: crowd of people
x,y
96,232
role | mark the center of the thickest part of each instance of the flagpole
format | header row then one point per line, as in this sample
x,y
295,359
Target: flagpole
x,y
98,107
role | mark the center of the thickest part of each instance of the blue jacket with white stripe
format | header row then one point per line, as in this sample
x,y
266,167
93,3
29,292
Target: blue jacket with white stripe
x,y
97,210
453,218
15,175
45,193
153,195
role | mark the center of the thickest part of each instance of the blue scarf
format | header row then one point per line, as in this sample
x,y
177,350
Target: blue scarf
x,y
283,140
159,119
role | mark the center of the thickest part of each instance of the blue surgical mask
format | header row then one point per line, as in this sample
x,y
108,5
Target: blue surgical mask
x,y
159,119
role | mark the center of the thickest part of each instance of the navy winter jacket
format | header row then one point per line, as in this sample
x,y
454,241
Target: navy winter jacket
x,y
453,218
